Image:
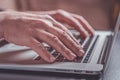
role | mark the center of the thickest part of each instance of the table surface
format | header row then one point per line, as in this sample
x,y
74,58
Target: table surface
x,y
112,71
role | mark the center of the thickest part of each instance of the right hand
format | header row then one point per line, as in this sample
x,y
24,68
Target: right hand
x,y
31,30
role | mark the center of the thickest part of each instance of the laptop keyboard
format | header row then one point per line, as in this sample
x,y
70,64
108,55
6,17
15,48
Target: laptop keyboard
x,y
87,44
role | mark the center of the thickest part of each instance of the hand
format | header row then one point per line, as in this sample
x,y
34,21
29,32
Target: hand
x,y
74,20
32,29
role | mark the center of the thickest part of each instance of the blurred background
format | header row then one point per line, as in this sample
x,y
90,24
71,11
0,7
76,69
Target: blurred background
x,y
101,14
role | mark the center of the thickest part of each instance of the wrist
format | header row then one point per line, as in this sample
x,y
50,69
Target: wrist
x,y
2,17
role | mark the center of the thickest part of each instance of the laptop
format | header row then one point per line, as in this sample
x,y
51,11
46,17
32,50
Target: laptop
x,y
97,49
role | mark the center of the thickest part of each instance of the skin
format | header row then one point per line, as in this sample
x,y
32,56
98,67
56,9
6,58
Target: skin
x,y
32,28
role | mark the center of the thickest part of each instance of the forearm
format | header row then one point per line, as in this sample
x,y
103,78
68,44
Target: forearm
x,y
1,32
2,16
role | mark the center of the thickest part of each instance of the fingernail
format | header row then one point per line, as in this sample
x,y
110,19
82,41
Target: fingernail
x,y
86,34
52,59
81,52
72,56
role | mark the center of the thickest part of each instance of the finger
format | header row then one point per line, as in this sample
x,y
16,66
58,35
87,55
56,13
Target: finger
x,y
53,41
65,17
37,47
84,23
65,38
62,27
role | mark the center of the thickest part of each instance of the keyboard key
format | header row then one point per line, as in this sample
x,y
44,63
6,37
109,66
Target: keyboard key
x,y
90,49
60,58
78,59
86,45
55,54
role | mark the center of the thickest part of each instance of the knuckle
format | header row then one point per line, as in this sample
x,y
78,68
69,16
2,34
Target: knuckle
x,y
60,11
54,38
48,17
81,17
63,34
47,23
